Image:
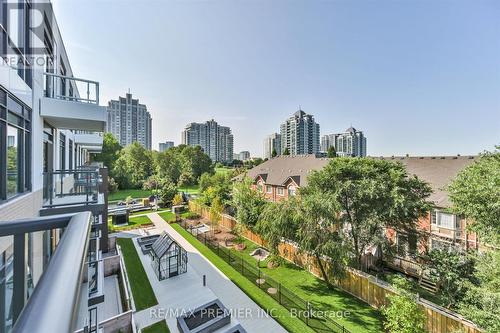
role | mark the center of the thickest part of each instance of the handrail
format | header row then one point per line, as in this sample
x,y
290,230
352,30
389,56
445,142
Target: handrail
x,y
58,88
57,293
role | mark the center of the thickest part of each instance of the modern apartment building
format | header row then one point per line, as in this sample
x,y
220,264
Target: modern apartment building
x,y
129,121
215,140
272,143
53,211
350,143
300,134
165,145
244,155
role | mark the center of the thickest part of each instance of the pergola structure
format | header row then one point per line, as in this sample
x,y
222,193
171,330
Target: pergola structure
x,y
168,258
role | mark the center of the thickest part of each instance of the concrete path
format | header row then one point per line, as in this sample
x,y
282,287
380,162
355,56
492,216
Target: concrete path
x,y
186,291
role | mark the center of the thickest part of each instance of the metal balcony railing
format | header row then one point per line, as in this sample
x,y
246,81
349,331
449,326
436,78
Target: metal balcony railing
x,y
71,88
58,290
71,187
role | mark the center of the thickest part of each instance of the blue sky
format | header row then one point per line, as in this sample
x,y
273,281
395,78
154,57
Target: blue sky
x,y
419,77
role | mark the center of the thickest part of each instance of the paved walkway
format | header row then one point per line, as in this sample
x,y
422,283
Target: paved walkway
x,y
186,291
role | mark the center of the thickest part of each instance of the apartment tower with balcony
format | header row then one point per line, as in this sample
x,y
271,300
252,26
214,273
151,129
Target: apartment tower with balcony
x,y
349,143
129,121
215,140
272,144
300,134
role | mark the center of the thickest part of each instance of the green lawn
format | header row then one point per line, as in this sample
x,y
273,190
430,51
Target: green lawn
x,y
123,194
133,222
190,189
139,283
223,170
362,318
167,216
266,302
159,327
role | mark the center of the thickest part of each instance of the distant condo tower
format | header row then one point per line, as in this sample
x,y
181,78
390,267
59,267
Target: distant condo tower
x,y
215,140
165,145
129,121
350,143
300,134
272,143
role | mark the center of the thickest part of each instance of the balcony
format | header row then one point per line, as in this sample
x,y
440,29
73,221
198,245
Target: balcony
x,y
63,106
90,141
57,290
71,191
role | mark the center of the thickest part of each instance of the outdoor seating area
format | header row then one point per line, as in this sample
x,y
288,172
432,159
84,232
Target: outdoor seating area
x,y
168,258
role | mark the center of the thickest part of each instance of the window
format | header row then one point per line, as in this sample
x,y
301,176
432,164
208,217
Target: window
x,y
281,191
62,151
15,147
269,189
444,220
291,190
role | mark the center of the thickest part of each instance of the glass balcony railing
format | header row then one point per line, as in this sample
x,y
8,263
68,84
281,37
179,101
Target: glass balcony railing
x,y
71,89
71,187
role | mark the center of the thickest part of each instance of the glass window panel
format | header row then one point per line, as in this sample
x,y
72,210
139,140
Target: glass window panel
x,y
14,106
6,278
13,161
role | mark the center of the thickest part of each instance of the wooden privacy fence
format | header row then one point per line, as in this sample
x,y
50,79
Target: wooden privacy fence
x,y
363,286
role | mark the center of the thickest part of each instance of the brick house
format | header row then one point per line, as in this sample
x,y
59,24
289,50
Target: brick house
x,y
282,176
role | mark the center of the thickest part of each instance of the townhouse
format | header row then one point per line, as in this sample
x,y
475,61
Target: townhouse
x,y
281,177
53,210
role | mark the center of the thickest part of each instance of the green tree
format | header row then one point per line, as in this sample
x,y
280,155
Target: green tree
x,y
110,152
168,192
286,151
481,303
370,195
475,193
177,200
450,271
218,185
331,152
274,153
248,203
133,166
216,210
403,314
279,220
318,234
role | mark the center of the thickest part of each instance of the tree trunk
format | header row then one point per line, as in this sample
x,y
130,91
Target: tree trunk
x,y
323,272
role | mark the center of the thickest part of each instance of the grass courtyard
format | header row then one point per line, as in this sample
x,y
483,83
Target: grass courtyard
x,y
133,223
142,291
266,302
159,327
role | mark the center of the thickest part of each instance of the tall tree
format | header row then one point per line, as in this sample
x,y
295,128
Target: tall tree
x,y
279,220
331,152
274,153
286,151
318,233
133,166
110,152
475,193
369,196
248,203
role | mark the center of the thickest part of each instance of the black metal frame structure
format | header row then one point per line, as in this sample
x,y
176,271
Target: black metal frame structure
x,y
168,258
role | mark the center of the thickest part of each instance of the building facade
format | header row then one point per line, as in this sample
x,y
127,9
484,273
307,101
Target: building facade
x,y
163,146
350,143
215,140
129,121
300,134
53,209
272,143
244,155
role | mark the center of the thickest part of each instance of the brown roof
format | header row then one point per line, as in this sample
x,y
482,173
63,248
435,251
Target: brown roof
x,y
277,170
436,170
